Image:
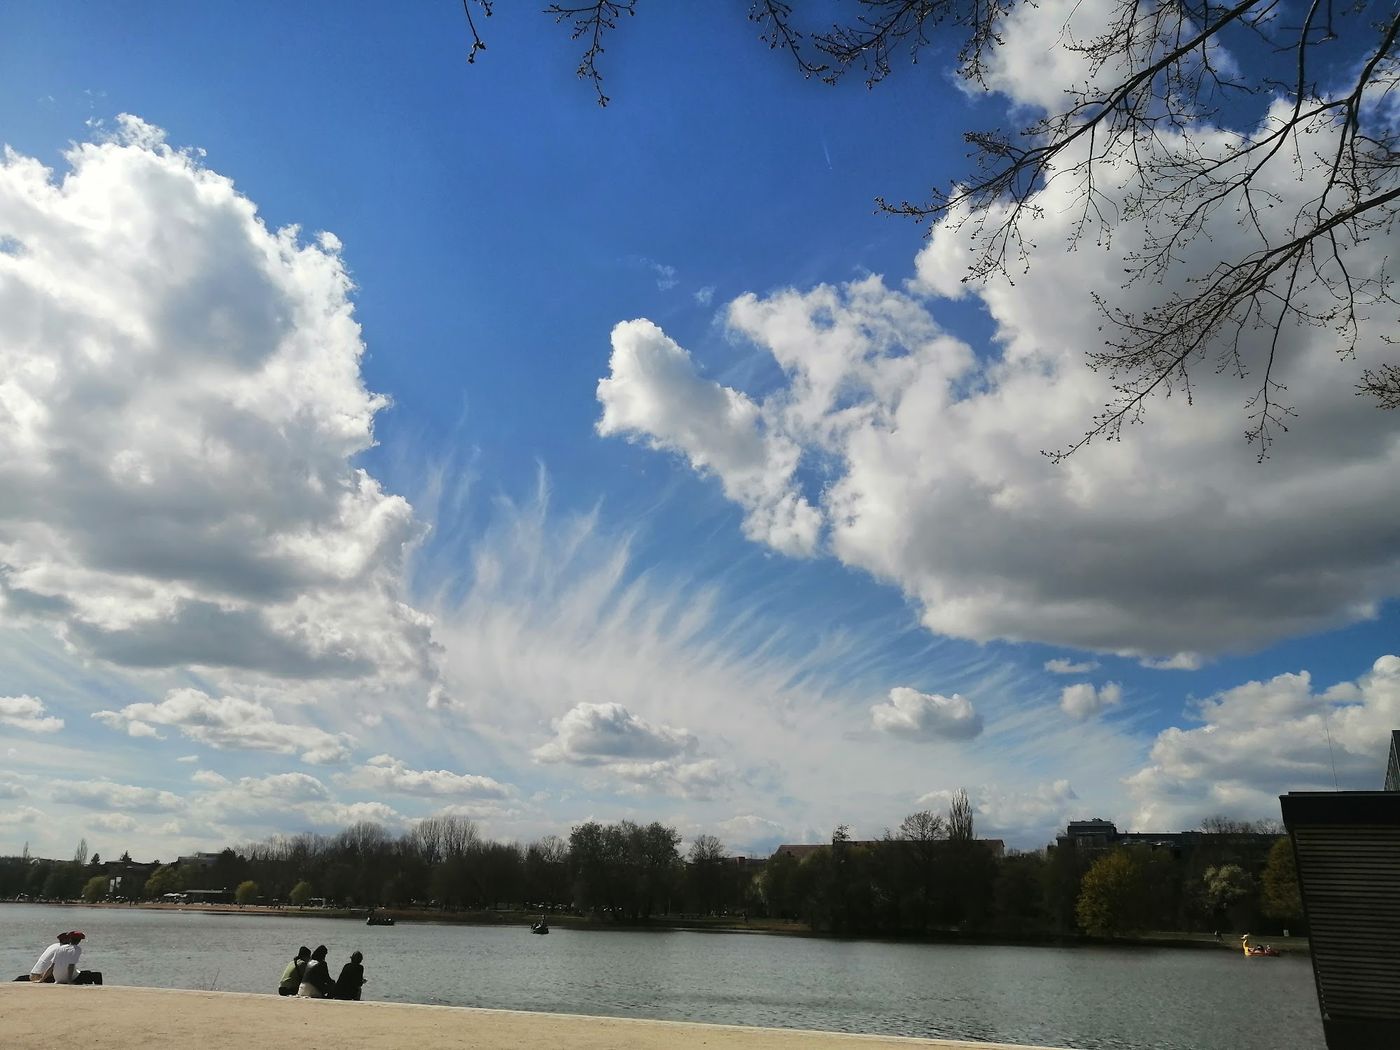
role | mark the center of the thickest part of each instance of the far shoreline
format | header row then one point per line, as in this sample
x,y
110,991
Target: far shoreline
x,y
422,916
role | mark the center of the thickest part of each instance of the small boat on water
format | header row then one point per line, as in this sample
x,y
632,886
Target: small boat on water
x,y
379,920
1257,951
539,927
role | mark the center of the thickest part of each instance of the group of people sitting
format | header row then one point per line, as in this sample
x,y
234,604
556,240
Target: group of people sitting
x,y
309,975
58,964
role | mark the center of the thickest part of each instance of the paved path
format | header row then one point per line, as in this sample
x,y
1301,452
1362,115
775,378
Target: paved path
x,y
53,1017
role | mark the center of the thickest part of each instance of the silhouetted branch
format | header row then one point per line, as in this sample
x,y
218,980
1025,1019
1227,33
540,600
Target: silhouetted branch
x,y
1383,384
477,43
775,21
1141,140
590,22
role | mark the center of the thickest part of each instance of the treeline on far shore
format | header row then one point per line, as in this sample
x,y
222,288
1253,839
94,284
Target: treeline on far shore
x,y
928,877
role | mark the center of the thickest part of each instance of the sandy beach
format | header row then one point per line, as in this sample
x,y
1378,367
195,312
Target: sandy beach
x,y
48,1017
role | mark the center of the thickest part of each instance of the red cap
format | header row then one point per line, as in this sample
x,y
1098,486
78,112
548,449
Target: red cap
x,y
77,935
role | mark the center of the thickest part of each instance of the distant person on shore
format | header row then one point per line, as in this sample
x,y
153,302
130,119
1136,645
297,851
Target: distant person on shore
x,y
291,976
42,970
66,959
351,979
316,981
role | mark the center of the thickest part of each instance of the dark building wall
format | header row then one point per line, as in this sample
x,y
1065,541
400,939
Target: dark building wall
x,y
1347,848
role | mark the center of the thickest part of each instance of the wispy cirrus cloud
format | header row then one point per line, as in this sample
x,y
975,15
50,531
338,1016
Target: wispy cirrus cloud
x,y
1063,666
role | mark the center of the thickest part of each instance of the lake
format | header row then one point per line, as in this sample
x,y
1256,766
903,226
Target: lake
x,y
1090,998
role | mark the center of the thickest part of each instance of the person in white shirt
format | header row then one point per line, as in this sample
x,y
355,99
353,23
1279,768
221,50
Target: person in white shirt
x,y
65,962
66,959
42,970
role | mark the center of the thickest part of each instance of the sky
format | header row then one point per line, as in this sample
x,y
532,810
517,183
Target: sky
x,y
383,435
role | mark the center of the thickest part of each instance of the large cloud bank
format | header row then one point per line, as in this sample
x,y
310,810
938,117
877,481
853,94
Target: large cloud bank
x,y
180,408
904,451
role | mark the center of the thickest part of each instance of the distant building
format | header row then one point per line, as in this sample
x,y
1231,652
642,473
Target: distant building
x,y
800,851
199,860
1100,834
1089,834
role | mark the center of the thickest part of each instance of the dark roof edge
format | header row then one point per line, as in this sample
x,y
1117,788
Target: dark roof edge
x,y
1340,807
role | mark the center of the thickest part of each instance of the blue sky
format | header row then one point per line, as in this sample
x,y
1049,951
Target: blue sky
x,y
722,589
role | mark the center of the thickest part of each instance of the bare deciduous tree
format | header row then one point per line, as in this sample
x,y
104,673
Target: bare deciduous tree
x,y
923,826
446,836
706,849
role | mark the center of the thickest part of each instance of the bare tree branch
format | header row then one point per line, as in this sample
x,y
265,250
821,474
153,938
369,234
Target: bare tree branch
x,y
1383,384
477,43
775,21
591,22
1139,142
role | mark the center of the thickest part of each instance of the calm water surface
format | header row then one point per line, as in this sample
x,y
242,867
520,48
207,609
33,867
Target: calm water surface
x,y
1090,998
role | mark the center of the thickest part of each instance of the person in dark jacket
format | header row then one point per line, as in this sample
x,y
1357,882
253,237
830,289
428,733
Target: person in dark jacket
x,y
351,979
316,980
291,976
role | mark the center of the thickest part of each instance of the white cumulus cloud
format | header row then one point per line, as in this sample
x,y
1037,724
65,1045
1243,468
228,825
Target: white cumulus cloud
x,y
1263,738
1084,700
654,392
648,759
926,716
595,734
1173,544
27,713
386,773
228,723
180,406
